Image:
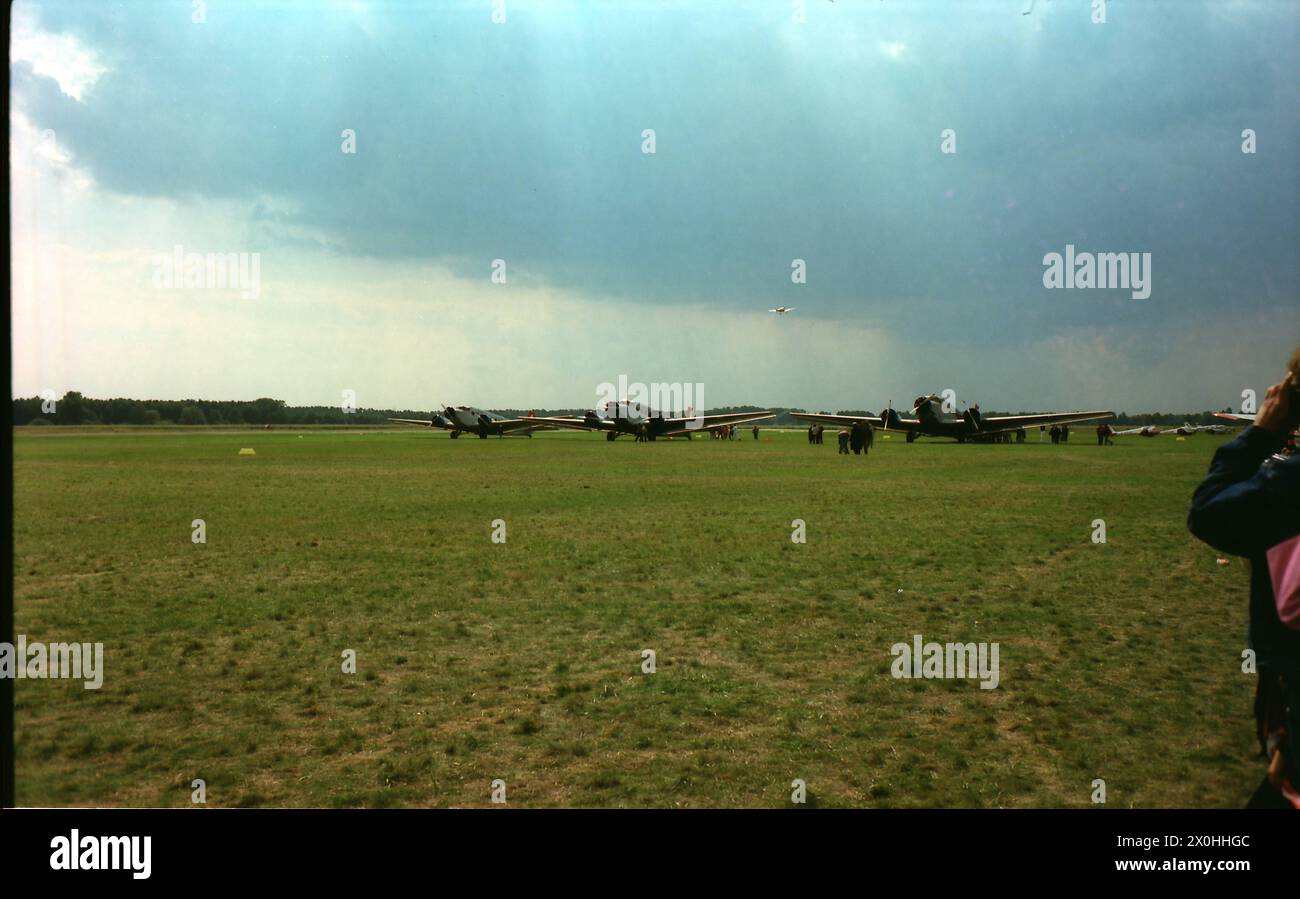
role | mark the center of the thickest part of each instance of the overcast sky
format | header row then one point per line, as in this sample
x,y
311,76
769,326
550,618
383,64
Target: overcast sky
x,y
134,129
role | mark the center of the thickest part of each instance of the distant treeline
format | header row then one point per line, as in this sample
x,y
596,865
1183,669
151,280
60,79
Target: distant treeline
x,y
75,409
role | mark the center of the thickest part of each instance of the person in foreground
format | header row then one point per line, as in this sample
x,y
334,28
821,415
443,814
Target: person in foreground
x,y
1249,505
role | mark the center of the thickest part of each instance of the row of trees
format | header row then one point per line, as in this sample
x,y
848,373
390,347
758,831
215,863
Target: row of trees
x,y
75,409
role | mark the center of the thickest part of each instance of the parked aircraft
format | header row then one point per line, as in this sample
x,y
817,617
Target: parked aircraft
x,y
1183,430
1187,428
624,417
1144,431
930,420
463,419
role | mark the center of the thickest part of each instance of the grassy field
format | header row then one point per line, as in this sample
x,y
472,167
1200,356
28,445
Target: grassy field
x,y
522,661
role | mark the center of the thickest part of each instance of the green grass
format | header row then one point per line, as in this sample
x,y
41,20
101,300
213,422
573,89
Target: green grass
x,y
522,661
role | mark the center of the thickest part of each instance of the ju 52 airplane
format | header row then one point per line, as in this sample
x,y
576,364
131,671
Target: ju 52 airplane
x,y
466,419
624,417
930,419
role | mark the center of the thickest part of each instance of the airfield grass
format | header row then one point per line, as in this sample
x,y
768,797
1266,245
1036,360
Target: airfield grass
x,y
522,661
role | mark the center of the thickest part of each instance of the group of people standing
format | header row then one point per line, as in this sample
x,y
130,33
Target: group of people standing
x,y
859,437
1060,433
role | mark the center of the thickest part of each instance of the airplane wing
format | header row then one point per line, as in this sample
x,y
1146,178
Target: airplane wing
x,y
1234,416
505,424
415,421
681,425
1148,431
900,424
573,424
515,424
995,423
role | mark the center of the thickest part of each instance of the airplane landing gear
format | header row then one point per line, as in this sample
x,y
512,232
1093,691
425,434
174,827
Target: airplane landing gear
x,y
911,437
610,436
455,434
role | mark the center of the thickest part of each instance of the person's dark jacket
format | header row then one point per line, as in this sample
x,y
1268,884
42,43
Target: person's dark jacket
x,y
1247,504
1245,507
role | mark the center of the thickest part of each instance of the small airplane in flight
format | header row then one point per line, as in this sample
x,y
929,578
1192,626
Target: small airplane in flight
x,y
466,419
637,419
782,310
932,421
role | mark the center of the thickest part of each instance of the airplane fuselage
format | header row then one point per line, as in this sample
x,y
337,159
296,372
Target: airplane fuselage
x,y
624,417
937,423
467,419
932,420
